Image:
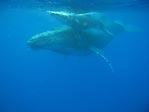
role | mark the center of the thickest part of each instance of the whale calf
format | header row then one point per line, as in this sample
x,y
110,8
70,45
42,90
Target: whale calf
x,y
83,20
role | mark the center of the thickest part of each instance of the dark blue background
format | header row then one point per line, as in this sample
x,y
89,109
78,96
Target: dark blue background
x,y
43,81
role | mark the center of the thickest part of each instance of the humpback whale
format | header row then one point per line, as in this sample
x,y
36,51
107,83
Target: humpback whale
x,y
82,21
81,34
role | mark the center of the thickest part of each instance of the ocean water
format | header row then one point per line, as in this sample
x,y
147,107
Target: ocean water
x,y
44,81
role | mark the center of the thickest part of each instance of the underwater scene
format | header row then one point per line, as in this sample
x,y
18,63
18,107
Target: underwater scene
x,y
74,56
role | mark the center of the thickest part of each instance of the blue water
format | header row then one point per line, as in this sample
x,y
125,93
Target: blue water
x,y
44,81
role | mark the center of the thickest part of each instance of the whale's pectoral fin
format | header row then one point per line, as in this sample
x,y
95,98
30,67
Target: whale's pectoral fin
x,y
108,32
60,13
99,52
102,26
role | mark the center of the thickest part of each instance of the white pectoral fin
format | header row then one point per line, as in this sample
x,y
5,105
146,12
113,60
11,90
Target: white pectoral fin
x,y
60,13
108,32
99,52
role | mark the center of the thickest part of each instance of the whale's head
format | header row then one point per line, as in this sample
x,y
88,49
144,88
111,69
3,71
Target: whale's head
x,y
40,41
52,39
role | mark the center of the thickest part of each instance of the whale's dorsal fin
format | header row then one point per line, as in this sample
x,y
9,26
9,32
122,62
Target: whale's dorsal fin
x,y
99,52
